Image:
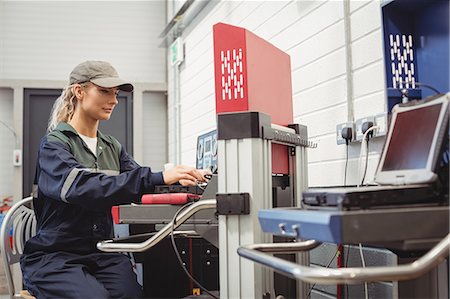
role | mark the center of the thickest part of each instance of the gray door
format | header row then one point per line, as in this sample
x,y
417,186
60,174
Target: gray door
x,y
155,129
37,106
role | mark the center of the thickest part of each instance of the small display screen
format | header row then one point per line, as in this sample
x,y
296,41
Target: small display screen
x,y
207,151
412,138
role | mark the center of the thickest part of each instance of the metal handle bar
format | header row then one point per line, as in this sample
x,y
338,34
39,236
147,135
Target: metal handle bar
x,y
110,246
413,270
290,247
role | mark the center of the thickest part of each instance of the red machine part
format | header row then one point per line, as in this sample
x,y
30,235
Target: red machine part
x,y
169,198
115,211
159,199
253,75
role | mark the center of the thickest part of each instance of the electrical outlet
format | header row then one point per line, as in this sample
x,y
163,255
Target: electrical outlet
x,y
339,127
381,122
359,122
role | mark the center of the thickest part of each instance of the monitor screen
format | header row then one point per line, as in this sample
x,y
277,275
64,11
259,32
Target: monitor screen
x,y
207,151
412,138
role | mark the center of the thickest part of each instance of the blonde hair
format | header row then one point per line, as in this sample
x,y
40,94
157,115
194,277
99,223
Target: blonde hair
x,y
64,107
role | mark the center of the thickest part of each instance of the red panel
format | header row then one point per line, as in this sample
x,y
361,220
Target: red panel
x,y
280,159
251,74
230,68
269,80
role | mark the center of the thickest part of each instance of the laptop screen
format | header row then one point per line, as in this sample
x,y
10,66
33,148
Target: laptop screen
x,y
412,138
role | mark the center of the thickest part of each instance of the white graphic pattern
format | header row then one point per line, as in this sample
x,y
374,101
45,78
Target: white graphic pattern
x,y
232,74
402,61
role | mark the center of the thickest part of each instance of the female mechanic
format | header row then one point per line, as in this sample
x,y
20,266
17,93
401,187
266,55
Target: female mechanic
x,y
80,174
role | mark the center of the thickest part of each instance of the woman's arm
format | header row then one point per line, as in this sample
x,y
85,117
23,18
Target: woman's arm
x,y
63,178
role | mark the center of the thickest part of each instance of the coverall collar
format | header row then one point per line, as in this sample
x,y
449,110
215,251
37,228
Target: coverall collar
x,y
63,126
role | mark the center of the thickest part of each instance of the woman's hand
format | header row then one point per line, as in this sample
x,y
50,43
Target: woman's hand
x,y
186,175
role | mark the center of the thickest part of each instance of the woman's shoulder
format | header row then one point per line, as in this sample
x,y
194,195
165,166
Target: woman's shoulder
x,y
57,136
62,136
62,133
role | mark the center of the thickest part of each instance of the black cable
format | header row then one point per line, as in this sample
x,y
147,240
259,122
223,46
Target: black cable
x,y
175,248
429,87
367,160
346,163
311,288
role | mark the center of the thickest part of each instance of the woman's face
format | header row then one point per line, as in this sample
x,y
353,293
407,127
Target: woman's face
x,y
97,102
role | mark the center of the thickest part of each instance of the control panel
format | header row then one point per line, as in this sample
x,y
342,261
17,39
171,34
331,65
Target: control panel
x,y
207,151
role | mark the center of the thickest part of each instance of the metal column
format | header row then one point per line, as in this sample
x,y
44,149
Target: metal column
x,y
244,166
300,176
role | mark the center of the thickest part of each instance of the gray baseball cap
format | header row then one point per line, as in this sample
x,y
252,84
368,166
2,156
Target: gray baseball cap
x,y
100,73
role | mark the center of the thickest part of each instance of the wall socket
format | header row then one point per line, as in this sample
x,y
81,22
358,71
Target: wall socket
x,y
339,127
379,120
382,123
358,124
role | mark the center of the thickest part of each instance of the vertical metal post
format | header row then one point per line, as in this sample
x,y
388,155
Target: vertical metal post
x,y
244,166
300,176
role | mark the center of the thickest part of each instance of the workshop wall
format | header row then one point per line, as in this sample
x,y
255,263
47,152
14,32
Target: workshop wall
x,y
44,40
312,33
41,42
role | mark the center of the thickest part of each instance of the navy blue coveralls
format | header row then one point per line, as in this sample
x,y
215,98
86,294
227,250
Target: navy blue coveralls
x,y
75,192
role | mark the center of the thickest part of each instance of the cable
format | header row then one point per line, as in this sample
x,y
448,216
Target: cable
x,y
366,291
366,138
367,162
361,150
346,163
404,91
12,131
311,288
175,248
347,135
429,87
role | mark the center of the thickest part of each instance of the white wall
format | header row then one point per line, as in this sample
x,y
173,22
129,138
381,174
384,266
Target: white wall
x,y
46,39
312,33
41,42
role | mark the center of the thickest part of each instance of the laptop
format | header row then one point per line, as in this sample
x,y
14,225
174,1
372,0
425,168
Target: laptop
x,y
409,164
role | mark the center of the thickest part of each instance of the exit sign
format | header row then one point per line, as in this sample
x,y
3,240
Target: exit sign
x,y
176,52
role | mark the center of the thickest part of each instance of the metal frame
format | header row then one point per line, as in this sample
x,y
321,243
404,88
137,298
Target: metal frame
x,y
20,225
298,170
257,253
362,226
110,246
246,166
245,163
